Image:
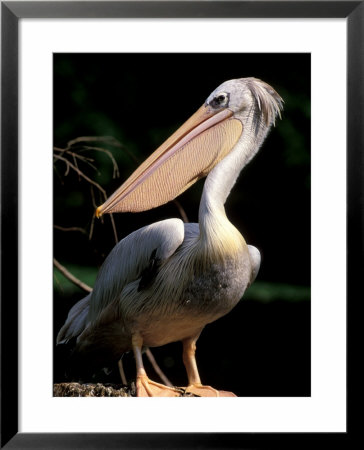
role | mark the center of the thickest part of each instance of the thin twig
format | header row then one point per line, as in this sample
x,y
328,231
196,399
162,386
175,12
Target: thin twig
x,y
110,140
71,277
106,139
81,230
157,369
92,226
76,156
122,372
116,173
80,139
76,165
77,170
181,211
114,228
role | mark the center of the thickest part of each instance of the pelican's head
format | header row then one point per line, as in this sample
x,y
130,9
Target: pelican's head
x,y
236,108
245,98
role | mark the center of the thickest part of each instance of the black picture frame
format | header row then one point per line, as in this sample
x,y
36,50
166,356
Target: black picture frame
x,y
11,12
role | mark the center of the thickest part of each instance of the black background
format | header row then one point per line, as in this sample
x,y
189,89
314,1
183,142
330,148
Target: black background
x,y
262,348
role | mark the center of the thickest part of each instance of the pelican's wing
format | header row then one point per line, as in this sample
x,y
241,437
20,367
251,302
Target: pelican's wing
x,y
132,258
76,321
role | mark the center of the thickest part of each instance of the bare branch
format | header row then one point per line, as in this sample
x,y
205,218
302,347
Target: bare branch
x,y
77,170
122,372
71,277
75,157
181,211
109,139
91,227
157,369
114,228
116,173
81,230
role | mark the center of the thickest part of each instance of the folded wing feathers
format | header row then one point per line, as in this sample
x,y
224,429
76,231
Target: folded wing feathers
x,y
76,321
130,257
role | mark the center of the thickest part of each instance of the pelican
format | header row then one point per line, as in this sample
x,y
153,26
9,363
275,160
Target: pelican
x,y
166,281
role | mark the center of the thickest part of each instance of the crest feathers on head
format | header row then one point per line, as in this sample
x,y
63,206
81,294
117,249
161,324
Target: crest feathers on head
x,y
268,101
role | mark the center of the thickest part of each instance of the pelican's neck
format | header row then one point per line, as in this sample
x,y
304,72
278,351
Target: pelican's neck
x,y
218,184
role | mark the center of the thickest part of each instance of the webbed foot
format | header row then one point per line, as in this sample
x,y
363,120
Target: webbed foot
x,y
148,388
207,391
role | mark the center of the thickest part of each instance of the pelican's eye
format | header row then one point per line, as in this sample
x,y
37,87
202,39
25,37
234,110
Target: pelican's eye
x,y
220,100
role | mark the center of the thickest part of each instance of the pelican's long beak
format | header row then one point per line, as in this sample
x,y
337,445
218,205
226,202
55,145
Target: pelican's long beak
x,y
189,154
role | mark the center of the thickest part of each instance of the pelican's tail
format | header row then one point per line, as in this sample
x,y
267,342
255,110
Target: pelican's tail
x,y
76,321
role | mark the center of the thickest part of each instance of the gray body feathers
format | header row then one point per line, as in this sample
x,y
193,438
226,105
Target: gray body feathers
x,y
76,321
189,291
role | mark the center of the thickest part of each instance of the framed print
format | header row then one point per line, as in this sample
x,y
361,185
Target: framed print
x,y
104,84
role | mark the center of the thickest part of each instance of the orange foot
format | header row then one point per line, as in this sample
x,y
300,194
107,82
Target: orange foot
x,y
148,388
207,391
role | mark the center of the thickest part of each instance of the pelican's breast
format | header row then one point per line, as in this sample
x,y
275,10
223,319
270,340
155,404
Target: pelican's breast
x,y
193,289
216,290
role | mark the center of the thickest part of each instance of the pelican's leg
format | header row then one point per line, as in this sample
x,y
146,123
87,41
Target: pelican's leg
x,y
194,383
144,386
